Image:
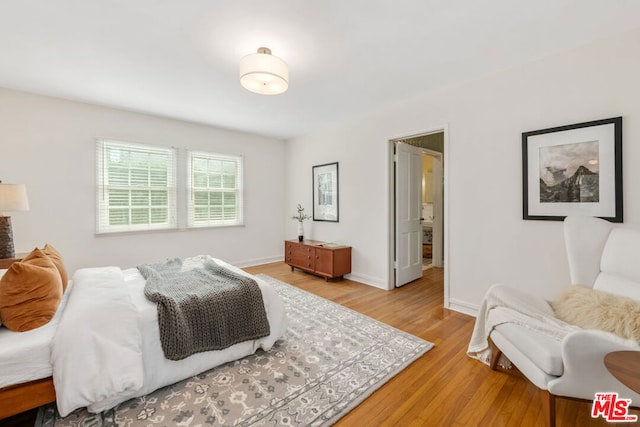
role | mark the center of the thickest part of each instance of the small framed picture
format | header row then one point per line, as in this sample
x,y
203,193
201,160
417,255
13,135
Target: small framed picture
x,y
325,192
573,170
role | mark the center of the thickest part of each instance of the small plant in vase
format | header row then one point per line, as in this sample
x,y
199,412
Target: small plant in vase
x,y
300,218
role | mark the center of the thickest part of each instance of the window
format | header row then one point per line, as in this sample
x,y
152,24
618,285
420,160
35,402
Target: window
x,y
215,187
136,187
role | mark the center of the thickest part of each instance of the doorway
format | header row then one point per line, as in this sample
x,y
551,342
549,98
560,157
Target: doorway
x,y
431,201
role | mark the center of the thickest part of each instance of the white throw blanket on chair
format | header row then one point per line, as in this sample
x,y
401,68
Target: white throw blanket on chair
x,y
505,304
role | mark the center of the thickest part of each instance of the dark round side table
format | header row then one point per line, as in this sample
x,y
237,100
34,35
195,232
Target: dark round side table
x,y
625,366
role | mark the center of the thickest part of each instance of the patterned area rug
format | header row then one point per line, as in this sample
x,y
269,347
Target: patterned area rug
x,y
330,360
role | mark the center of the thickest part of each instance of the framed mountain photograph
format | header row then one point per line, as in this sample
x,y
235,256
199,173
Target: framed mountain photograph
x,y
573,170
325,192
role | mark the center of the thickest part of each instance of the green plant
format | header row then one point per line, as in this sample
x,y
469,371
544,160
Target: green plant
x,y
301,215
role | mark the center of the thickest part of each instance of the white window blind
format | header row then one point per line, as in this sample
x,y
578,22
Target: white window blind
x,y
136,187
215,189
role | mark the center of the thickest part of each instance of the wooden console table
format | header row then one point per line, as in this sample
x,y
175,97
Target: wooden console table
x,y
327,260
6,262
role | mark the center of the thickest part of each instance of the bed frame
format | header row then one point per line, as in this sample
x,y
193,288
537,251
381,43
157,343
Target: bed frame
x,y
18,398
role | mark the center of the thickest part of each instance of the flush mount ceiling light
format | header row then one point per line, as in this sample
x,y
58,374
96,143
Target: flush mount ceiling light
x,y
264,73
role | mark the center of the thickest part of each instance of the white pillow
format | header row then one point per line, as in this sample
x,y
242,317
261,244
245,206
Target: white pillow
x,y
595,309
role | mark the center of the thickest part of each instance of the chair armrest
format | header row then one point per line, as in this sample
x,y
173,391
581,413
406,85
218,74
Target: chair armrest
x,y
585,374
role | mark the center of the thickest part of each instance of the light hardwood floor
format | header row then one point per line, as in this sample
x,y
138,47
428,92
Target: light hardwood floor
x,y
442,388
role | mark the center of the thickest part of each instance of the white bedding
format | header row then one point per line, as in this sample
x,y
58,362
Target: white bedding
x,y
26,356
101,370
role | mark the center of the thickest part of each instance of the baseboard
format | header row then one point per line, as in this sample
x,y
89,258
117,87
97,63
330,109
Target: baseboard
x,y
463,307
367,280
258,261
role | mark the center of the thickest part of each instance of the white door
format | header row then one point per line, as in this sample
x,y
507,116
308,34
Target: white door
x,y
408,210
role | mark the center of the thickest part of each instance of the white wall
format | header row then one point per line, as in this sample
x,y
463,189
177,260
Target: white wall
x,y
48,144
488,242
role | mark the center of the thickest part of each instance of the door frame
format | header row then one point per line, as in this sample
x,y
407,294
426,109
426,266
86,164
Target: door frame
x,y
391,204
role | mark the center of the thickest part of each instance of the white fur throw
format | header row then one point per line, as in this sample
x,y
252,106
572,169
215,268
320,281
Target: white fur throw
x,y
593,309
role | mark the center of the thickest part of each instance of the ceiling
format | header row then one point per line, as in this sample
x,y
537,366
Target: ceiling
x,y
179,58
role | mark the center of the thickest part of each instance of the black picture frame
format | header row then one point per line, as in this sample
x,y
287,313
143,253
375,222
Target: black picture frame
x,y
573,170
326,202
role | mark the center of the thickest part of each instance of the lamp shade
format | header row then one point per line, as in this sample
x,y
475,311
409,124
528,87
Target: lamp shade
x,y
264,73
13,197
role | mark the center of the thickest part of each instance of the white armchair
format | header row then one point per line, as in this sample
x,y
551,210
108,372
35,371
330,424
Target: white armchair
x,y
601,256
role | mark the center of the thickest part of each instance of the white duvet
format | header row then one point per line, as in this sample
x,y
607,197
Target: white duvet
x,y
107,346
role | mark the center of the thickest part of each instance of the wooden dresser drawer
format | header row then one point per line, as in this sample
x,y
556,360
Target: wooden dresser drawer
x,y
329,261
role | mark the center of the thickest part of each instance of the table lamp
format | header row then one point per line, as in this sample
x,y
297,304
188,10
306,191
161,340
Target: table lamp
x,y
13,197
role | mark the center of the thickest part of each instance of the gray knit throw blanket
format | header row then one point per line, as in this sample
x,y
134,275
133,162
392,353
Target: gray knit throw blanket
x,y
203,306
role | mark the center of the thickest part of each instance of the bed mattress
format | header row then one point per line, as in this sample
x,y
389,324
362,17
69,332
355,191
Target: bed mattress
x,y
26,356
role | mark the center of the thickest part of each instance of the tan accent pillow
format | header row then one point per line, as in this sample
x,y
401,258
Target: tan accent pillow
x,y
594,309
55,256
30,292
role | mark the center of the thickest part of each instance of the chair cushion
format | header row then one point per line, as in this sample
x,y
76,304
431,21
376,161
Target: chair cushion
x,y
544,351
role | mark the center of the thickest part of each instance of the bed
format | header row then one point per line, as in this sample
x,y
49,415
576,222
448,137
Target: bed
x,y
99,373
